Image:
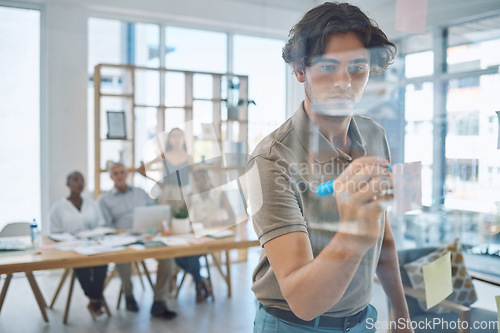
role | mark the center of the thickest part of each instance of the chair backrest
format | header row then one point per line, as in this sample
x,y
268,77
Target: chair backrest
x,y
16,229
406,256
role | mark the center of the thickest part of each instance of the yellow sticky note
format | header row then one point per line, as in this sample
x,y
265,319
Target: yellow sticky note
x,y
437,280
498,310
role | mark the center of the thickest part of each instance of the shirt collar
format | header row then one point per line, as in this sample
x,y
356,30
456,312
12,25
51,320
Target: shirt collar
x,y
318,146
115,191
357,141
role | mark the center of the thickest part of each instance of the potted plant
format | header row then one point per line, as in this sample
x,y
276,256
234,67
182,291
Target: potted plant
x,y
180,222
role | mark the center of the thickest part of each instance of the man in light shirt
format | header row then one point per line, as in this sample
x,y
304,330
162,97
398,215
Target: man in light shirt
x,y
117,207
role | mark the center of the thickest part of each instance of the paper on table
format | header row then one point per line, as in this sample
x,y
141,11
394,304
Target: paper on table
x,y
173,240
411,16
437,280
96,249
200,240
407,179
221,234
68,246
99,231
497,298
117,240
62,237
137,247
215,232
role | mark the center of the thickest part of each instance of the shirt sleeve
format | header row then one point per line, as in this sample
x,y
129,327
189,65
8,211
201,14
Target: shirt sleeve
x,y
56,225
274,203
99,216
149,201
106,212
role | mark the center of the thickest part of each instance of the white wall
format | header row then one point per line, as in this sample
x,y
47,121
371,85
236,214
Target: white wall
x,y
66,107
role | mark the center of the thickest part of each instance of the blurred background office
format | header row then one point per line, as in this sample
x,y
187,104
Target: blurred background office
x,y
437,102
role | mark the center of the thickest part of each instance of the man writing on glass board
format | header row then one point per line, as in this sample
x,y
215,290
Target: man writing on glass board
x,y
320,254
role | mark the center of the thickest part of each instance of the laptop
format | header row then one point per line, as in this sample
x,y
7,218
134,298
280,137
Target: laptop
x,y
149,218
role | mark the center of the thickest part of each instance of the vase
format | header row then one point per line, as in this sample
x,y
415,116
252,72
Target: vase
x,y
181,226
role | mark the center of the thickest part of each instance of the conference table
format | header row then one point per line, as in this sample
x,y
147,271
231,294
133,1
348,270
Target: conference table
x,y
51,258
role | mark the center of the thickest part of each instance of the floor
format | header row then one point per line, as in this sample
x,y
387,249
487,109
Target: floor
x,y
20,312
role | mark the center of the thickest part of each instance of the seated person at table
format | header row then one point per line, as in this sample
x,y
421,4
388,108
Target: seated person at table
x,y
210,207
118,206
73,214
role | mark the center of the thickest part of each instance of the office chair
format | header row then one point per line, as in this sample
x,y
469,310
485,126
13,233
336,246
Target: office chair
x,y
22,229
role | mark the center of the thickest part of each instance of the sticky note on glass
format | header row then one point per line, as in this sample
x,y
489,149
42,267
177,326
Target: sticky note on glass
x,y
498,311
411,16
437,280
407,180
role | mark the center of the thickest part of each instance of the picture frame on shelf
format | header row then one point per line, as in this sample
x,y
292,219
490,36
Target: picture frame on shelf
x,y
117,129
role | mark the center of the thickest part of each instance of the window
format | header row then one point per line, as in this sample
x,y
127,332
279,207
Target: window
x,y
450,108
107,40
260,59
20,115
118,42
145,44
105,43
419,64
473,45
196,50
419,99
470,142
463,123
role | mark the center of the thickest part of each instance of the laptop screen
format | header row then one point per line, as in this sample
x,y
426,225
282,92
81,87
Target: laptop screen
x,y
149,218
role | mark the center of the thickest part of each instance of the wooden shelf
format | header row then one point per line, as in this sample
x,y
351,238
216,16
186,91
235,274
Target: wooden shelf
x,y
234,120
144,106
178,107
209,99
161,106
128,150
111,140
116,95
217,167
129,170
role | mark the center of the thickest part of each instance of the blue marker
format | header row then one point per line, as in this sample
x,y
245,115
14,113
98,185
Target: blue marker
x,y
327,188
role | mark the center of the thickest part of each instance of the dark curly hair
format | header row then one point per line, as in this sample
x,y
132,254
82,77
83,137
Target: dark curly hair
x,y
308,38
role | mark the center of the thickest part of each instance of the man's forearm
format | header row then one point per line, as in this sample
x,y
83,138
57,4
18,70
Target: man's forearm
x,y
390,278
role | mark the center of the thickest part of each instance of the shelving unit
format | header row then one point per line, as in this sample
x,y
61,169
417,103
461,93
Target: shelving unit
x,y
228,97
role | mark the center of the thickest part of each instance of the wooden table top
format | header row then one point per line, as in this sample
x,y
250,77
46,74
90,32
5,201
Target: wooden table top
x,y
50,258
